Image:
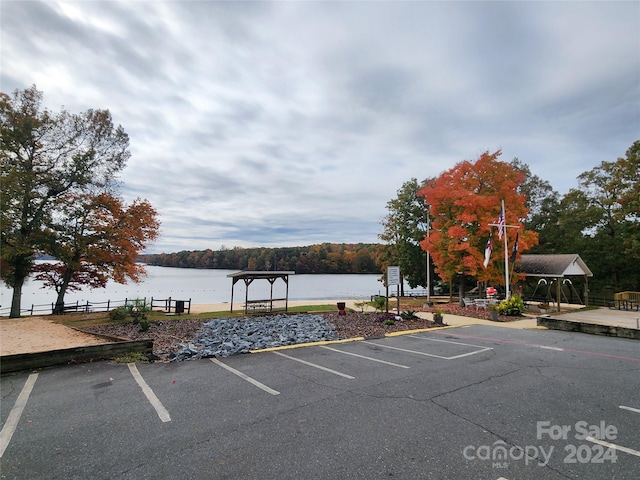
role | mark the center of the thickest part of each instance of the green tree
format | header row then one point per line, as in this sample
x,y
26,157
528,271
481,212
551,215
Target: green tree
x,y
44,156
600,220
404,227
543,205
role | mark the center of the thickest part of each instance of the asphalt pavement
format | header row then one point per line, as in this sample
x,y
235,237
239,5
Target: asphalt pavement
x,y
476,402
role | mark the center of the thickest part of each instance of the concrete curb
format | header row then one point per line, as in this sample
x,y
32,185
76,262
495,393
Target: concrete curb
x,y
591,328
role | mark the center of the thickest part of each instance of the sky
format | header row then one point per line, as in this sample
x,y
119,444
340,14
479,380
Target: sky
x,y
273,124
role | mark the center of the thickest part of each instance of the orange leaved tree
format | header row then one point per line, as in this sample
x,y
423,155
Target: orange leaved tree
x,y
463,202
95,238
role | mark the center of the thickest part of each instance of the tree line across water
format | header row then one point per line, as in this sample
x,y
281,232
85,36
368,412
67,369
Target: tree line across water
x,y
320,258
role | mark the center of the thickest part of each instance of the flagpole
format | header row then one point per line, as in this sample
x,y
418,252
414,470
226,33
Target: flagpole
x,y
506,252
502,230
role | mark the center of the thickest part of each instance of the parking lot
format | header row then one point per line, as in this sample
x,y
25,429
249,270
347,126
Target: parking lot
x,y
475,402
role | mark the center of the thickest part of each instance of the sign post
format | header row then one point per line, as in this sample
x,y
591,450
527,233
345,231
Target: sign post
x,y
393,278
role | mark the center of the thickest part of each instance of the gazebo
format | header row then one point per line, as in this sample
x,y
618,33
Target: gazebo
x,y
252,306
555,267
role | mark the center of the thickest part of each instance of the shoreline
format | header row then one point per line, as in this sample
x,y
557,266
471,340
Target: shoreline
x,y
238,306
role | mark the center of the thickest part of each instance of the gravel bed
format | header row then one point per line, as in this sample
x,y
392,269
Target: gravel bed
x,y
180,339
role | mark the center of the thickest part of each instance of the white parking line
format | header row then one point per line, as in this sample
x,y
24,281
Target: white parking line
x,y
366,358
315,366
447,341
246,377
613,445
482,349
405,350
486,349
631,409
16,412
146,389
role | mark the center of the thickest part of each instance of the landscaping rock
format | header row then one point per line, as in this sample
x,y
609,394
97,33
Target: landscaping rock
x,y
231,336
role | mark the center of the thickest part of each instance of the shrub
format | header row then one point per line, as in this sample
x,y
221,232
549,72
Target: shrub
x,y
512,307
408,315
378,303
118,314
388,321
144,324
138,310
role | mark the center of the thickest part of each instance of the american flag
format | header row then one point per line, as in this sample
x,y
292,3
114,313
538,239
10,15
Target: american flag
x,y
500,224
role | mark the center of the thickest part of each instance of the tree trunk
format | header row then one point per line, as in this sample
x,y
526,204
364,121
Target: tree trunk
x,y
461,291
22,267
16,299
59,308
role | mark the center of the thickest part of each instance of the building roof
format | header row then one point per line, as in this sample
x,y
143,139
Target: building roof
x,y
560,265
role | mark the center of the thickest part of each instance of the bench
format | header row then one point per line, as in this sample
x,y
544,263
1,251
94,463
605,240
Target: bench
x,y
626,301
260,306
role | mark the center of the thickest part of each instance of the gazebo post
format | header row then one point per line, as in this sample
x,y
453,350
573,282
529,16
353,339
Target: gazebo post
x,y
586,291
271,281
247,282
286,301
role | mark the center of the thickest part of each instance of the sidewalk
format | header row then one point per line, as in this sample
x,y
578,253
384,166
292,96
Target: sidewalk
x,y
605,316
601,321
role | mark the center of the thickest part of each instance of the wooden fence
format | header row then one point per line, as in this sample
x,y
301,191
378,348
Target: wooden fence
x,y
168,305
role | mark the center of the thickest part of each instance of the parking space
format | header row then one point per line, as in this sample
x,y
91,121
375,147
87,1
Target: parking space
x,y
410,404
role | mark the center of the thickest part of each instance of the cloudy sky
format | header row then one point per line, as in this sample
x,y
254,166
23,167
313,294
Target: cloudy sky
x,y
294,123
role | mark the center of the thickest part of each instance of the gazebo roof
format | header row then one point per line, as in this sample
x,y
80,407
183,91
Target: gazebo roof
x,y
560,265
256,274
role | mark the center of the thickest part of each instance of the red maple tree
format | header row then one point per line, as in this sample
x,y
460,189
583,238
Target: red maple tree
x,y
96,238
463,202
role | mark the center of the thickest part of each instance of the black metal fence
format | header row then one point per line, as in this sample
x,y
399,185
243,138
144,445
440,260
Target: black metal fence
x,y
168,305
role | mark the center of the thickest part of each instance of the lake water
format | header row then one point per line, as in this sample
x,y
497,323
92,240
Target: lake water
x,y
205,286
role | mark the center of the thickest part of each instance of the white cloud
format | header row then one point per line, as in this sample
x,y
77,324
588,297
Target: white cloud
x,y
291,123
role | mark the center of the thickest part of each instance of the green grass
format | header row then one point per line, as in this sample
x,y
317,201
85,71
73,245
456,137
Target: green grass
x,y
314,308
132,357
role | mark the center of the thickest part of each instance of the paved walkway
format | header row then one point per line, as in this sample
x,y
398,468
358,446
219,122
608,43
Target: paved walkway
x,y
605,316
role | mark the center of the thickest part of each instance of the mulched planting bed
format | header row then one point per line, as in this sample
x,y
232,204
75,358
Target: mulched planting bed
x,y
453,309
